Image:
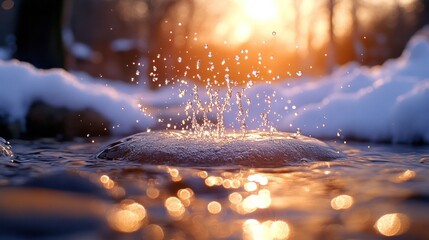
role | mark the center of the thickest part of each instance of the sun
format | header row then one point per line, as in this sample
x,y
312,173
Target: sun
x,y
261,10
242,21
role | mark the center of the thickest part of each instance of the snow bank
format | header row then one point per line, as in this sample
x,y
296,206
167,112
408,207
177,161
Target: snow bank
x,y
383,103
21,84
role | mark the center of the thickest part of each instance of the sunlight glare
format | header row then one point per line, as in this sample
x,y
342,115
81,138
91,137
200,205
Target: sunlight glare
x,y
253,229
261,10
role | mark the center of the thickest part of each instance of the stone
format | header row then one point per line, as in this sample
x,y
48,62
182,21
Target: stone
x,y
255,149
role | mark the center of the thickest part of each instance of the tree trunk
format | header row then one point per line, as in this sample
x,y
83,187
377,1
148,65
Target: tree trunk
x,y
38,33
331,55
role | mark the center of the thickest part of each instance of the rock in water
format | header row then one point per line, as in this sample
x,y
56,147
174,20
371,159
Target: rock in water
x,y
255,149
5,149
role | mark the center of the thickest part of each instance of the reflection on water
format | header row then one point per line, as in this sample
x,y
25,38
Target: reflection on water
x,y
373,193
253,229
341,202
127,216
392,224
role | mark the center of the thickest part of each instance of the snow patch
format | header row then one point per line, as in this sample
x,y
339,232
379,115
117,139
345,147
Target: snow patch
x,y
22,84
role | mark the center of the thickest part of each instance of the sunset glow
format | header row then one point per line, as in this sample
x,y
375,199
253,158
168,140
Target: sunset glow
x,y
293,22
261,10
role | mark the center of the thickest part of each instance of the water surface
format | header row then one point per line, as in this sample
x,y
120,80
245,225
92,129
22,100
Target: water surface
x,y
59,190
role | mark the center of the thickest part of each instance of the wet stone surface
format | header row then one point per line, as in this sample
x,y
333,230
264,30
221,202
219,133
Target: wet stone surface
x,y
255,149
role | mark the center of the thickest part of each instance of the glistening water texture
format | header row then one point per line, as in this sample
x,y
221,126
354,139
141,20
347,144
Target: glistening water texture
x,y
58,190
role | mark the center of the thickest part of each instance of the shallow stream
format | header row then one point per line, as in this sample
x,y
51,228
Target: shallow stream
x,y
58,190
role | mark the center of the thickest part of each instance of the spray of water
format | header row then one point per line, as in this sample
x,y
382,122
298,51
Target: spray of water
x,y
208,98
5,150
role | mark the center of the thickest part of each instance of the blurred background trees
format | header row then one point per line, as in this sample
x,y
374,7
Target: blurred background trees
x,y
160,41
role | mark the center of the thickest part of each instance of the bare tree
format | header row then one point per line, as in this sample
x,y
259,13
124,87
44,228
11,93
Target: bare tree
x,y
38,33
356,31
331,58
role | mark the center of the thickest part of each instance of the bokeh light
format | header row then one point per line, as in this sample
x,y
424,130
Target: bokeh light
x,y
152,192
186,196
175,207
259,178
252,202
128,216
7,4
253,229
153,232
214,207
107,182
392,224
213,181
235,198
341,202
175,174
405,176
250,186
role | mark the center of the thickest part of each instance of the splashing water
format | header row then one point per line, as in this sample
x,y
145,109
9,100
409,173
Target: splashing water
x,y
205,110
209,138
5,150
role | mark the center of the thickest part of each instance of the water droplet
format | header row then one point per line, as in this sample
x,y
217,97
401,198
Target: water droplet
x,y
212,67
179,59
255,73
206,46
274,33
182,93
227,77
137,72
299,73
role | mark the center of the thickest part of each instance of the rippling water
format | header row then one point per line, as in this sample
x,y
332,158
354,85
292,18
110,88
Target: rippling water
x,y
58,190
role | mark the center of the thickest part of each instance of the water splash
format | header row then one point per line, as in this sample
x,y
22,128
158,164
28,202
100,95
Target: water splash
x,y
5,150
221,102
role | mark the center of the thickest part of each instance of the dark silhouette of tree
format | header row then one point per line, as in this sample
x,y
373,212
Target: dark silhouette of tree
x,y
331,52
38,33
